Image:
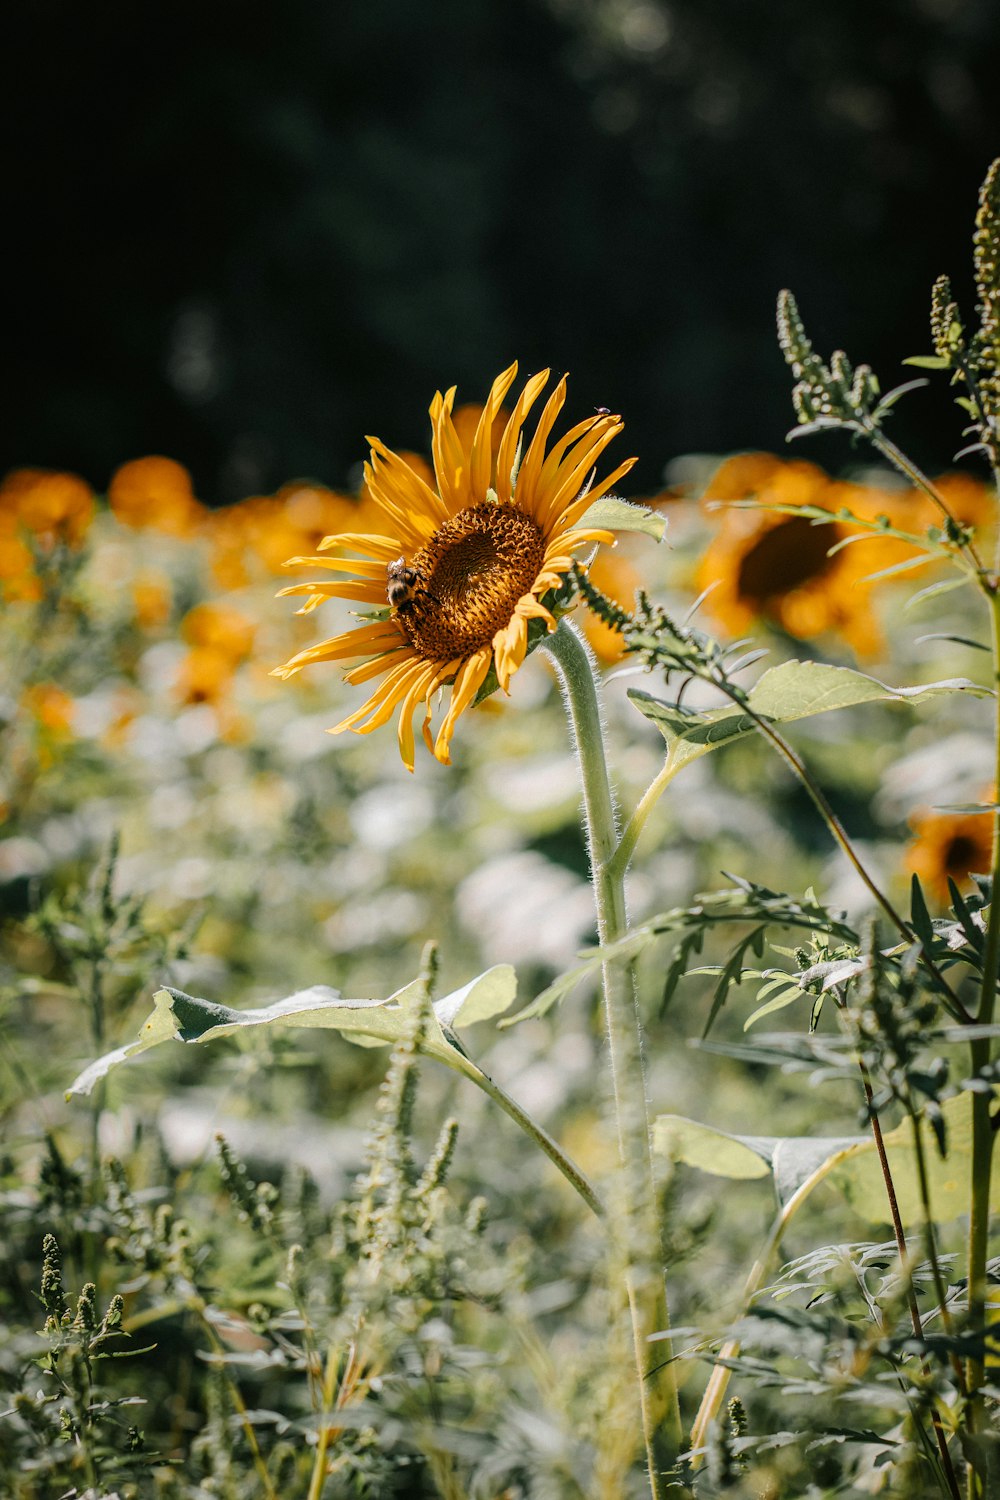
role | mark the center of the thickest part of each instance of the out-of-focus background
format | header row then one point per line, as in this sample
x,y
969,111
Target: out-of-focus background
x,y
242,234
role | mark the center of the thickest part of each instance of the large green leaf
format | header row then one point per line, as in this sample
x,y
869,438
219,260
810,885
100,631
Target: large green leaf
x,y
372,1023
793,690
849,1164
179,1017
613,514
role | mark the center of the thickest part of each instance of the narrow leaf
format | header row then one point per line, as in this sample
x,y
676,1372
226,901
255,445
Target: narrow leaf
x,y
928,362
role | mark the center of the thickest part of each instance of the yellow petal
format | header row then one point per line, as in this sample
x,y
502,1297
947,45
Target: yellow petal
x,y
512,432
386,548
531,464
471,676
481,459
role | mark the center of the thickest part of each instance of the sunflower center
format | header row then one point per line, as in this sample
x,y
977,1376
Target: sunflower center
x,y
784,558
472,572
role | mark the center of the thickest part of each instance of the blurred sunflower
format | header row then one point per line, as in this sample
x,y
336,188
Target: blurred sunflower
x,y
950,845
767,563
155,492
468,558
54,506
219,640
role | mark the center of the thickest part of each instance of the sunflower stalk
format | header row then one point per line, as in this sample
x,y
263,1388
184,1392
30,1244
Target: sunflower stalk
x,y
636,1224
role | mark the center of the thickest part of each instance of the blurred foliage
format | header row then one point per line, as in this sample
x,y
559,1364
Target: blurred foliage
x,y
257,855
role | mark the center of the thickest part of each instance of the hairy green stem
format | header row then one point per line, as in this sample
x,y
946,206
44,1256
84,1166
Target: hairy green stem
x,y
637,1225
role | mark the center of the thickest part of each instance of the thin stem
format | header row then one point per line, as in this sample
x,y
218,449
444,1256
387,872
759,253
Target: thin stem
x,y
236,1396
839,832
904,1260
980,1053
930,1240
916,476
638,1228
621,858
572,1173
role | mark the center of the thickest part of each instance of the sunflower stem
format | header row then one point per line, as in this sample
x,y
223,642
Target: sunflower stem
x,y
636,1225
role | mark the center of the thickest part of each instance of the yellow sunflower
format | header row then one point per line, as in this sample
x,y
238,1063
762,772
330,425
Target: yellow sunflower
x,y
950,845
465,559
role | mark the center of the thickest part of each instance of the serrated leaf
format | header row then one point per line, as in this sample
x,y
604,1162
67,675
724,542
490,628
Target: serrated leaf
x,y
185,1018
794,690
613,514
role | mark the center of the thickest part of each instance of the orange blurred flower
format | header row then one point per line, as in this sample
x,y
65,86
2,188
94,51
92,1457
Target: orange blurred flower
x,y
151,599
263,529
18,579
155,492
51,708
220,639
220,629
765,563
55,506
205,675
615,576
949,844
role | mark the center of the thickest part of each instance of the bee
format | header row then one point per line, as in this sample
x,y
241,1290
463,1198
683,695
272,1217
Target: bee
x,y
402,583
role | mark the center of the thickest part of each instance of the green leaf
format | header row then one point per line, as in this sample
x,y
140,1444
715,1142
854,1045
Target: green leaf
x,y
787,994
794,690
928,362
934,590
920,917
484,997
179,1017
612,514
849,1164
714,1151
966,807
889,400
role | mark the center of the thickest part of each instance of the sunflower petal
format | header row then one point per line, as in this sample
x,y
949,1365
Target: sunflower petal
x,y
481,459
471,676
512,433
385,548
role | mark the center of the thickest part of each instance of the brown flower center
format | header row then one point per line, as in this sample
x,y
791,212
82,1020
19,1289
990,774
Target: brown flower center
x,y
471,574
784,558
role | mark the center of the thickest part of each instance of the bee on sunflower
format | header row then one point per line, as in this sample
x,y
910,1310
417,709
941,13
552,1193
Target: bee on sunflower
x,y
469,557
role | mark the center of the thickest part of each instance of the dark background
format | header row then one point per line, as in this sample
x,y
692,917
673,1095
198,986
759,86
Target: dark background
x,y
244,235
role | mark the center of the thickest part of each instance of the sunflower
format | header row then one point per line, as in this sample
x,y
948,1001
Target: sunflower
x,y
950,846
782,567
466,559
